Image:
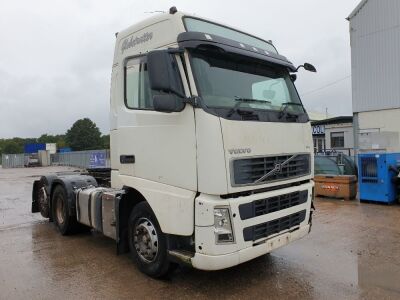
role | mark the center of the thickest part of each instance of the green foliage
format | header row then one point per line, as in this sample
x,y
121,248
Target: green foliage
x,y
84,135
12,147
59,139
106,141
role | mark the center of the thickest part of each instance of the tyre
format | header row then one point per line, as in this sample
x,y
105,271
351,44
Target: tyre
x,y
65,223
147,243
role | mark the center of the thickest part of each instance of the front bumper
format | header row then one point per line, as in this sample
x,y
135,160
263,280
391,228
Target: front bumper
x,y
212,256
218,262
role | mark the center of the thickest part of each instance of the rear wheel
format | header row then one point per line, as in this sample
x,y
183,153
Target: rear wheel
x,y
65,223
147,243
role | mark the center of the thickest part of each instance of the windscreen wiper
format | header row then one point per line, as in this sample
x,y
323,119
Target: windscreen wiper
x,y
284,111
240,99
244,100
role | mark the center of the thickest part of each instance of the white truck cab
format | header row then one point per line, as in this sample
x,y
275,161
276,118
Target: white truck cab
x,y
211,150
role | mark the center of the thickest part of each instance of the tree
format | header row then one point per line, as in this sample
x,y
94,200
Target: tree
x,y
106,141
84,135
12,147
47,138
59,139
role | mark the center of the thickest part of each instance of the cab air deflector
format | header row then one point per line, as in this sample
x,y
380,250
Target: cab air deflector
x,y
195,39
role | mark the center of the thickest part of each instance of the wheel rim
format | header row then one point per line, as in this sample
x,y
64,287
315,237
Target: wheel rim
x,y
43,206
145,240
60,210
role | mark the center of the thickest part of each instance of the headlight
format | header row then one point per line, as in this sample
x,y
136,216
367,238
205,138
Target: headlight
x,y
223,226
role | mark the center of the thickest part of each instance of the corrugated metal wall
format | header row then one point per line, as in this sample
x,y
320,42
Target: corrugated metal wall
x,y
79,159
12,161
375,54
83,159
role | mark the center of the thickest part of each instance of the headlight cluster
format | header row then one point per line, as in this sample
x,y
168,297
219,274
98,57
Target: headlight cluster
x,y
223,226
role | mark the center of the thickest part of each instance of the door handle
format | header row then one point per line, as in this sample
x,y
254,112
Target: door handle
x,y
127,159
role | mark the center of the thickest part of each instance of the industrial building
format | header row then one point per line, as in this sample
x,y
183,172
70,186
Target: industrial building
x,y
375,48
333,135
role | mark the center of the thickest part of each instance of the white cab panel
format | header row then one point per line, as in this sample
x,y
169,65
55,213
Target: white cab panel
x,y
210,154
174,207
264,139
163,144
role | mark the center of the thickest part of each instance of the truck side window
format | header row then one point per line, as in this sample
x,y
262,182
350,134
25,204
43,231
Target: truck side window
x,y
138,94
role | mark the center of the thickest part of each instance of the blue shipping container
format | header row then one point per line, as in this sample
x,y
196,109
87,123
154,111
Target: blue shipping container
x,y
34,147
376,176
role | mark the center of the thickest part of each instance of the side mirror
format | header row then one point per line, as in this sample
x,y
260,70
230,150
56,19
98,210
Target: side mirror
x,y
308,67
167,103
163,72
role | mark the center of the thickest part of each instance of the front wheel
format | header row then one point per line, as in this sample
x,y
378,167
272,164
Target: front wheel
x,y
147,243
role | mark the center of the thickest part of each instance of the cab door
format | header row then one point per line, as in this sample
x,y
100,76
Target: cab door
x,y
153,145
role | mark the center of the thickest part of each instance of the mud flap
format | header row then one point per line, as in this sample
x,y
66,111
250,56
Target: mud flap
x,y
35,196
40,199
311,213
122,233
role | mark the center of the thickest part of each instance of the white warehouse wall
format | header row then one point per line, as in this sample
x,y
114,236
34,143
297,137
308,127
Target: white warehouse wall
x,y
375,48
375,59
379,130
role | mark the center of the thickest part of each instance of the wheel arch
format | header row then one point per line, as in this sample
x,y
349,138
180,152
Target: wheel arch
x,y
125,206
70,182
128,201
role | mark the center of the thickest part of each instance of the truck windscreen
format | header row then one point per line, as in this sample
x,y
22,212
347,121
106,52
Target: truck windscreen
x,y
237,82
197,25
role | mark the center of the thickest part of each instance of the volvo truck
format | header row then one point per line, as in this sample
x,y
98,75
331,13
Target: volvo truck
x,y
211,150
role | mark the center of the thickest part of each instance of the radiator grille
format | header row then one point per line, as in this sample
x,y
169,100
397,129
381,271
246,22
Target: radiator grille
x,y
254,233
269,205
252,170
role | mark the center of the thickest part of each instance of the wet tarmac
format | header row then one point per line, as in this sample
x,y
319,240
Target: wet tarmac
x,y
353,252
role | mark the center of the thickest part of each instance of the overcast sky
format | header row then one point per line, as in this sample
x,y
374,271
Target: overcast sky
x,y
56,56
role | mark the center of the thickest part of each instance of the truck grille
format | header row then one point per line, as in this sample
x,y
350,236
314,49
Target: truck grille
x,y
256,232
269,205
260,170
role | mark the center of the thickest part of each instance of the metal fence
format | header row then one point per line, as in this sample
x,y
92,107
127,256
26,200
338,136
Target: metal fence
x,y
327,152
79,159
83,159
13,160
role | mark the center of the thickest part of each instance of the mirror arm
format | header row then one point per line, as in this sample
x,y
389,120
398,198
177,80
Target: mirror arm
x,y
297,69
191,100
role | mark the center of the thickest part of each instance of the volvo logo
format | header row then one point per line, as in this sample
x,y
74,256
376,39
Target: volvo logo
x,y
277,168
239,151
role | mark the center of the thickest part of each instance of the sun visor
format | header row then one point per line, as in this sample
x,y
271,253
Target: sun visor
x,y
196,39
